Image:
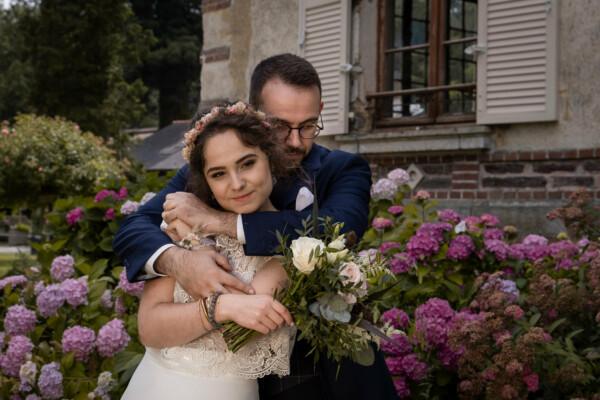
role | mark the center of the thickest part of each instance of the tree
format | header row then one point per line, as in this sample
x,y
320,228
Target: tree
x,y
81,54
173,67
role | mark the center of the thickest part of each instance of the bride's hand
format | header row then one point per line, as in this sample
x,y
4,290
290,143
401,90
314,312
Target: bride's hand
x,y
259,312
177,229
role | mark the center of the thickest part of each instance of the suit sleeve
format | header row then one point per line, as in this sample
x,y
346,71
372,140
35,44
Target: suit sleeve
x,y
139,234
343,193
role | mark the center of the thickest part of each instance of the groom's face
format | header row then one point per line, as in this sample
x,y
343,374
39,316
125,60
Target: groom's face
x,y
293,106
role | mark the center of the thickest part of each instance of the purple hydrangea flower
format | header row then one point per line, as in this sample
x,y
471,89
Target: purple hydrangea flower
x,y
565,264
384,189
422,245
401,263
75,291
449,358
18,348
74,215
564,248
19,320
396,317
80,339
435,308
112,338
435,230
396,210
537,252
505,285
382,223
122,195
398,176
50,300
518,251
134,289
414,368
27,375
33,396
583,242
489,220
120,307
39,288
394,365
460,247
498,247
535,240
401,386
472,220
15,280
449,215
129,207
105,385
110,214
106,299
391,349
493,233
50,381
62,267
388,245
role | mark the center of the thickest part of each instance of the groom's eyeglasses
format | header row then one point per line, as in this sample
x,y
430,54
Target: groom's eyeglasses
x,y
306,131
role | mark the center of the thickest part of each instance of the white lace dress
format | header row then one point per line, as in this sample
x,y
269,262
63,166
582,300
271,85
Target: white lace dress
x,y
204,368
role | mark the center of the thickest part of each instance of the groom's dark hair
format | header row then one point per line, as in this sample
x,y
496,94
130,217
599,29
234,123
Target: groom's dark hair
x,y
288,68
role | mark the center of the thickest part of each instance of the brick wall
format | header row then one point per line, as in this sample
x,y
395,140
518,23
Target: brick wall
x,y
524,175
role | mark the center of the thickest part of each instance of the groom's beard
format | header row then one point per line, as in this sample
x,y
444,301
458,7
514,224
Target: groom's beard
x,y
296,154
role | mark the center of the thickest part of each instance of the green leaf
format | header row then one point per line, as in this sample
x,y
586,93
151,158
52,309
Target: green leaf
x,y
127,359
106,244
68,359
98,269
365,356
421,271
534,319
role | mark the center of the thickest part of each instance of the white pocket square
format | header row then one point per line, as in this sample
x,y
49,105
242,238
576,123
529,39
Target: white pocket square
x,y
305,198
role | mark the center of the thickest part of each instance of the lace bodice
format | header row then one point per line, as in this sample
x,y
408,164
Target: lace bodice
x,y
208,355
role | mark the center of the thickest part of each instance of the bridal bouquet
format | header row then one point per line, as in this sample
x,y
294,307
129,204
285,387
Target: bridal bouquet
x,y
327,294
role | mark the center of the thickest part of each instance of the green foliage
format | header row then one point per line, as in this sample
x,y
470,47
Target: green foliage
x,y
88,240
172,67
44,158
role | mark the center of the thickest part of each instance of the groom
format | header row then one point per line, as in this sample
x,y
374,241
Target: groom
x,y
288,89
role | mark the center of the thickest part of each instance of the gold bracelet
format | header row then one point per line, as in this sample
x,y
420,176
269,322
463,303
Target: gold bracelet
x,y
203,312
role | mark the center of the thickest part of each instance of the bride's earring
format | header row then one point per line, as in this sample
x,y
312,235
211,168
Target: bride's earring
x,y
274,180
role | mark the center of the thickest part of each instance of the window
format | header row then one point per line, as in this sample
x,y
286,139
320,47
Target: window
x,y
425,75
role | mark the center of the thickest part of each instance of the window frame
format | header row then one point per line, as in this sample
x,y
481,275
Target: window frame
x,y
436,67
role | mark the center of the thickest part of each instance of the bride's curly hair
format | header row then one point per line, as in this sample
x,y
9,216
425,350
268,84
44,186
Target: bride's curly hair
x,y
252,132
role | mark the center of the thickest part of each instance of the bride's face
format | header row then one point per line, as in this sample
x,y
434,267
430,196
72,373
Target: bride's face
x,y
239,176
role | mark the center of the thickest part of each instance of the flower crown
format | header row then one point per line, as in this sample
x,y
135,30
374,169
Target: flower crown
x,y
239,108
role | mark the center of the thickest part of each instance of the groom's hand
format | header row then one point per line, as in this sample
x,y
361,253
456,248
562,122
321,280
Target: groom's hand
x,y
200,272
189,209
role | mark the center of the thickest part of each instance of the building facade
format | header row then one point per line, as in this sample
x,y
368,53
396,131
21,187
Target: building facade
x,y
491,105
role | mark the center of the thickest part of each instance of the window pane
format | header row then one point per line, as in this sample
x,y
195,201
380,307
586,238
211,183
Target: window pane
x,y
461,19
409,23
460,67
459,102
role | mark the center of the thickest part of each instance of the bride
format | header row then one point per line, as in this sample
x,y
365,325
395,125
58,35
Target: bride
x,y
233,162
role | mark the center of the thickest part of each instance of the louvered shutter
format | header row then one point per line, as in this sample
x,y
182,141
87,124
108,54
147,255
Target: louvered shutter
x,y
324,33
517,72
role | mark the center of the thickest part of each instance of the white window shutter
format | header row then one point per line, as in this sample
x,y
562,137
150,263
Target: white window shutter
x,y
517,69
324,41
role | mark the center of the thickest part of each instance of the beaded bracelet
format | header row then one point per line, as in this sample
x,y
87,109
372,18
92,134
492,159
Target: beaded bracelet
x,y
211,310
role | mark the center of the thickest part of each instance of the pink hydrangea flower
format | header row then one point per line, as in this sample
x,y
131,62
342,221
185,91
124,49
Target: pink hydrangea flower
x,y
384,189
50,381
74,215
401,386
27,375
112,338
5,131
394,365
391,349
62,267
489,220
493,233
449,215
388,245
103,194
75,291
14,281
514,311
422,245
532,381
110,214
563,248
414,368
435,229
498,247
537,252
401,263
18,347
19,320
422,195
106,299
129,207
120,307
518,251
382,223
80,339
50,300
566,264
122,195
396,317
460,247
395,210
472,220
134,289
398,176
535,240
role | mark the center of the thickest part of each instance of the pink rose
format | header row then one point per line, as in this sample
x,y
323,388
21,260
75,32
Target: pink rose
x,y
354,275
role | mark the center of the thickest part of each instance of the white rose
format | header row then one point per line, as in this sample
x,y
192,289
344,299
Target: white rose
x,y
354,274
337,244
301,249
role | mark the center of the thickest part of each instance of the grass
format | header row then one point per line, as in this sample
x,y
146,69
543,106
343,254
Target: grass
x,y
7,260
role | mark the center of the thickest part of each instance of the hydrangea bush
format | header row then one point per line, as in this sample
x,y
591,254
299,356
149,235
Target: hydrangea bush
x,y
68,321
485,312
